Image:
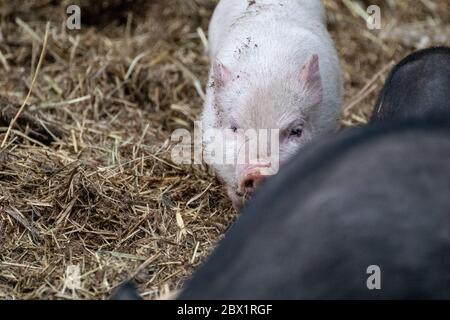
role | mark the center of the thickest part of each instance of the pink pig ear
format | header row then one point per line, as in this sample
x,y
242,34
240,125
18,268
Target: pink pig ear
x,y
221,73
311,79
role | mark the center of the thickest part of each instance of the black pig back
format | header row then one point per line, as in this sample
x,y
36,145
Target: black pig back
x,y
417,87
372,196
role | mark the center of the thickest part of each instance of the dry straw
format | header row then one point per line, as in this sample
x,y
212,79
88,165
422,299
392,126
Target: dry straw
x,y
86,177
22,107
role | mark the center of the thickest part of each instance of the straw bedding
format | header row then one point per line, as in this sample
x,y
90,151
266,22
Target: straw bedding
x,y
86,177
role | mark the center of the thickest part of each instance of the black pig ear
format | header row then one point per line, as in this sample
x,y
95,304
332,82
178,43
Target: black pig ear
x,y
311,79
221,74
126,291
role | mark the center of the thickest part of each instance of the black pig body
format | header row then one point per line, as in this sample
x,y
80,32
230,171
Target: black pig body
x,y
376,196
418,87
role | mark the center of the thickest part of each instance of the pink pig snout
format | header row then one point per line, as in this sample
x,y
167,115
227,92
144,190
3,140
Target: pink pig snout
x,y
251,177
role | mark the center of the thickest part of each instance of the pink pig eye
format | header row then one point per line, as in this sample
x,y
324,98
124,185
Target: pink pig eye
x,y
296,132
